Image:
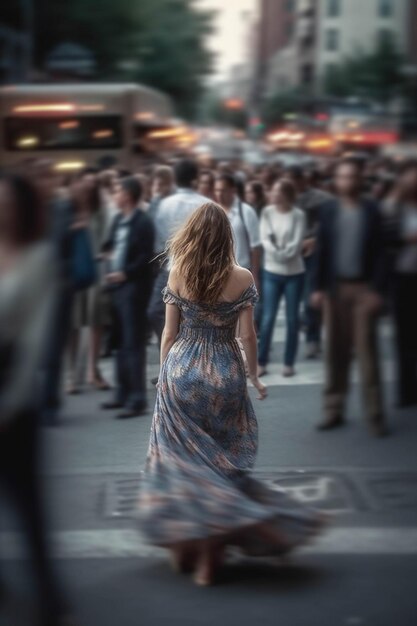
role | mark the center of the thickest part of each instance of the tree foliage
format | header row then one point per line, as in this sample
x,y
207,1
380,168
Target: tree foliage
x,y
376,75
281,103
157,42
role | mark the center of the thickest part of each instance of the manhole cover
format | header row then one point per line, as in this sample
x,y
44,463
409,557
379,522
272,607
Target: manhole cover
x,y
394,492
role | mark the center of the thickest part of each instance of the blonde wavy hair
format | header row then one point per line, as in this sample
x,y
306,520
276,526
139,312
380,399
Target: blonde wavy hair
x,y
202,253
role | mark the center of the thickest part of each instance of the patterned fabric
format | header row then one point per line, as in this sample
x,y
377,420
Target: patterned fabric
x,y
203,441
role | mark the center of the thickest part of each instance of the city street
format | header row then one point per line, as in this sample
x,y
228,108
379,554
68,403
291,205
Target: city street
x,y
360,573
221,157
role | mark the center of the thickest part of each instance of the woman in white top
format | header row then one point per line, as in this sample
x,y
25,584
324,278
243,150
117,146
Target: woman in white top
x,y
282,233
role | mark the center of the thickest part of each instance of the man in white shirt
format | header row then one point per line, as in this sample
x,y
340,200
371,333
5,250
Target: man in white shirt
x,y
170,215
244,223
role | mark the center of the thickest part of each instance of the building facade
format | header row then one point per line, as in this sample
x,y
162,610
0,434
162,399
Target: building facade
x,y
294,64
300,41
273,33
276,25
346,27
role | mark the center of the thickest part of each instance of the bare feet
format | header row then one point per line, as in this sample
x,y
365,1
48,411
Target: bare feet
x,y
96,380
208,564
183,559
100,384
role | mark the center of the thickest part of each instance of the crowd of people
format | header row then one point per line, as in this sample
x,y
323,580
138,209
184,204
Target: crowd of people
x,y
337,242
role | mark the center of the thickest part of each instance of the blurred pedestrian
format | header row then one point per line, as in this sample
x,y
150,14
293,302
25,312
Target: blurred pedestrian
x,y
60,208
27,282
244,223
205,185
163,185
170,215
197,496
349,282
282,234
107,181
381,187
309,199
400,218
255,196
91,306
146,186
129,251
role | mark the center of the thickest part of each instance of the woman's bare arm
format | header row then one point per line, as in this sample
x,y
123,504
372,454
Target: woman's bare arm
x,y
172,319
247,336
170,332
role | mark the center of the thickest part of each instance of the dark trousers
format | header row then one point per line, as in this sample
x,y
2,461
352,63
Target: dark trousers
x,y
129,307
312,316
19,452
57,341
350,326
274,286
156,307
405,314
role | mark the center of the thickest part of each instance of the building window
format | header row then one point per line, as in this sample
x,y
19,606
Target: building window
x,y
332,40
307,74
385,8
290,6
334,8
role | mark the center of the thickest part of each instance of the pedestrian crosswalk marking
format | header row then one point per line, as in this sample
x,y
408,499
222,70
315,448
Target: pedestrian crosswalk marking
x,y
127,543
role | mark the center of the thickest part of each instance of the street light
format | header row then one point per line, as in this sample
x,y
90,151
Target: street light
x,y
234,104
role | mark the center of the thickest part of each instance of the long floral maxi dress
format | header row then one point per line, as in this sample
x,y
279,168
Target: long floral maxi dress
x,y
196,482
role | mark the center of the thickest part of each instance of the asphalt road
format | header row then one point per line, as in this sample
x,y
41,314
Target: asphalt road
x,y
362,572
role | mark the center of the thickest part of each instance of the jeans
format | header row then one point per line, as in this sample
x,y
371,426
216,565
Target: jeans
x,y
312,316
273,287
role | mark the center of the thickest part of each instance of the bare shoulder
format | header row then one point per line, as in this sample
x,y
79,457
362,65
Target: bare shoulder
x,y
174,279
242,278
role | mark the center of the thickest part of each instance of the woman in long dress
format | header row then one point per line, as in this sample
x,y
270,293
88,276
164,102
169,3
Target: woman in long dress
x,y
197,495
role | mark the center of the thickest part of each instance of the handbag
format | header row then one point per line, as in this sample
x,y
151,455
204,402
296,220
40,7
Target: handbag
x,y
83,267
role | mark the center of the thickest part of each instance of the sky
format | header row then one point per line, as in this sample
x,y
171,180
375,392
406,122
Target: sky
x,y
228,42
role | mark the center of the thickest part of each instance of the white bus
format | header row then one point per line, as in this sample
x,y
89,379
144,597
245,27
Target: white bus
x,y
76,125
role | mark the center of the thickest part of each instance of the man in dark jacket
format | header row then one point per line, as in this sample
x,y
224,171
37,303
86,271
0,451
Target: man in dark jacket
x,y
129,252
348,282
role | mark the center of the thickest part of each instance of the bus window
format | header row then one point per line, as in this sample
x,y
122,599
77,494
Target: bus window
x,y
63,133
